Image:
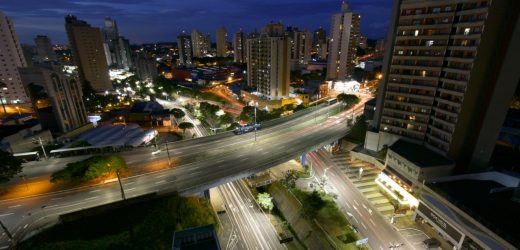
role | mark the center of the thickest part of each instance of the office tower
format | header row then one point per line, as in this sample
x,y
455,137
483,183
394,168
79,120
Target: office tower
x,y
145,66
380,48
200,43
185,50
11,57
87,50
222,45
343,43
320,36
57,97
44,49
300,47
363,42
268,62
110,30
239,47
449,75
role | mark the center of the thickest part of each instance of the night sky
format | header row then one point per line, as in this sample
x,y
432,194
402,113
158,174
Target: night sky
x,y
162,20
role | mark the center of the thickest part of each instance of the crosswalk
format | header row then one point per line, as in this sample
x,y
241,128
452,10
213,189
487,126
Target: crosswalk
x,y
366,182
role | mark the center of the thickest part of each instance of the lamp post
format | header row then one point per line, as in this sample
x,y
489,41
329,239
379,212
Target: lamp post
x,y
256,103
3,88
168,152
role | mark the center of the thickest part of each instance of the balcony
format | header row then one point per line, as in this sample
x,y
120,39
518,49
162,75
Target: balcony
x,y
428,78
463,48
409,104
424,26
427,15
412,86
420,47
405,112
445,112
438,143
416,123
457,71
454,81
416,67
423,97
451,92
442,121
470,36
424,37
448,102
441,131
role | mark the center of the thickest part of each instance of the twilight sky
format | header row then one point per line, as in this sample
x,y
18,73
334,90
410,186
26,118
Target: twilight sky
x,y
162,20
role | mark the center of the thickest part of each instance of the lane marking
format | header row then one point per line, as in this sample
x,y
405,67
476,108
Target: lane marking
x,y
363,224
355,201
371,221
91,198
51,206
2,215
93,191
55,199
130,189
19,205
24,227
159,182
128,183
159,176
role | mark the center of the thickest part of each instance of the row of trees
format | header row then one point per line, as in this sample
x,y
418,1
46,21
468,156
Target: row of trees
x,y
90,168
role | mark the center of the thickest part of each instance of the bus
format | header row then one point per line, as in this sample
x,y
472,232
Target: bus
x,y
332,101
246,128
28,156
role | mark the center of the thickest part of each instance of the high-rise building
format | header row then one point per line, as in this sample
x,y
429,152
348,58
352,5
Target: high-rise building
x,y
145,66
110,30
380,48
185,50
122,53
449,75
343,43
363,42
239,47
301,46
222,43
57,97
201,45
44,51
268,62
11,57
319,36
87,50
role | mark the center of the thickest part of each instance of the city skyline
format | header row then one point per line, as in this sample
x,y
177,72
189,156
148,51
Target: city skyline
x,y
45,18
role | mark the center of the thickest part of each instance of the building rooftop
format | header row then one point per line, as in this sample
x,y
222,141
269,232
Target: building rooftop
x,y
488,202
419,155
196,238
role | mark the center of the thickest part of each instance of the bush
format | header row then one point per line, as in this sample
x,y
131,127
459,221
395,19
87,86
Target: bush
x,y
91,168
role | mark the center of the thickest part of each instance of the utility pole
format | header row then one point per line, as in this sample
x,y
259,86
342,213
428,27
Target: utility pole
x,y
255,119
6,231
168,152
121,186
43,148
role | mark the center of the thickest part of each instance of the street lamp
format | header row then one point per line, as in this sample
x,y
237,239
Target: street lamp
x,y
256,104
3,88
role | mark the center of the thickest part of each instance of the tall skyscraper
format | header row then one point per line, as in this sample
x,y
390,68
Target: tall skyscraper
x,y
343,43
200,44
320,44
185,50
11,57
48,84
449,76
222,43
110,30
145,66
363,42
268,62
44,49
122,53
87,50
301,46
239,47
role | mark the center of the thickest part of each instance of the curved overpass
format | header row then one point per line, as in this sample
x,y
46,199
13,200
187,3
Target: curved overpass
x,y
200,164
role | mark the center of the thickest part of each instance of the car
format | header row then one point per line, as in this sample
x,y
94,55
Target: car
x,y
431,243
156,152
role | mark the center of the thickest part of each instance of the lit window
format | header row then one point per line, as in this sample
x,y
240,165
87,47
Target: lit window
x,y
416,33
429,43
423,73
400,52
466,31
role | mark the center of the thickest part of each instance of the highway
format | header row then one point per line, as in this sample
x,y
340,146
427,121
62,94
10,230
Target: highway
x,y
200,164
254,230
369,222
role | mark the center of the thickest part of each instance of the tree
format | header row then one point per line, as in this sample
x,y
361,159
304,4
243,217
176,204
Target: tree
x,y
186,125
349,100
226,119
312,204
299,107
177,113
90,168
10,166
265,201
